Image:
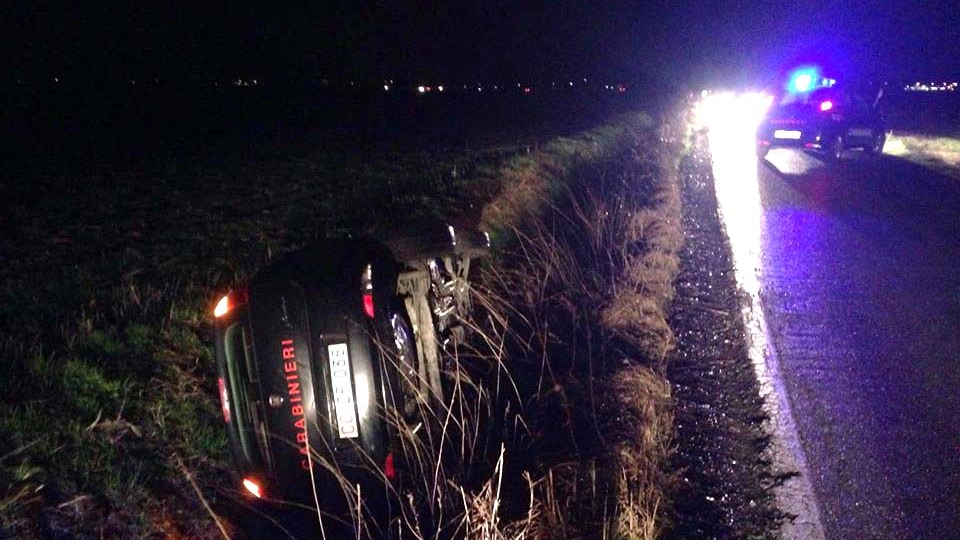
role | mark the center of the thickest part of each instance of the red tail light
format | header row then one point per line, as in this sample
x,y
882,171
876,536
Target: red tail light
x,y
368,304
366,289
224,400
253,487
388,469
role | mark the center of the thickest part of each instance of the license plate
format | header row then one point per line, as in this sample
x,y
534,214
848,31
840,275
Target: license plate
x,y
786,134
861,132
343,398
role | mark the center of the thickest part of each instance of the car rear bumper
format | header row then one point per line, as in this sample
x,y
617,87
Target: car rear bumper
x,y
789,137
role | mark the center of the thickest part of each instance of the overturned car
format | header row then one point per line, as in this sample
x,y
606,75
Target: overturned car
x,y
333,366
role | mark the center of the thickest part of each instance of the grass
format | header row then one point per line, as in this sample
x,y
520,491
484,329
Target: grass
x,y
587,274
939,153
109,424
106,367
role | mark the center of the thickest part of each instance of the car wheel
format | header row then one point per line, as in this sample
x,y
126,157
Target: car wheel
x,y
423,443
876,147
410,393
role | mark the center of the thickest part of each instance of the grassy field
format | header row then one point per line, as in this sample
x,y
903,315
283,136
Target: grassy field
x,y
941,154
109,422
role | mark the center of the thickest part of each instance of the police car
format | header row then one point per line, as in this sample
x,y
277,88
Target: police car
x,y
332,375
815,113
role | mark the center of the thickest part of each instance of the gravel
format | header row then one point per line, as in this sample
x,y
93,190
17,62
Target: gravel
x,y
724,478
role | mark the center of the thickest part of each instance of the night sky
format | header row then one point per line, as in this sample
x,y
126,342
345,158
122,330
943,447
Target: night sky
x,y
480,40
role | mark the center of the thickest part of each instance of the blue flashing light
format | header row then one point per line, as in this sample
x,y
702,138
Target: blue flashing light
x,y
803,80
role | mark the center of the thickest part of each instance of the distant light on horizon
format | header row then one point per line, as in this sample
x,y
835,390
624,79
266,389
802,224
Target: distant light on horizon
x,y
242,81
931,87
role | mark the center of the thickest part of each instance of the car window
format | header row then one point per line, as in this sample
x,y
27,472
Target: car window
x,y
857,104
810,98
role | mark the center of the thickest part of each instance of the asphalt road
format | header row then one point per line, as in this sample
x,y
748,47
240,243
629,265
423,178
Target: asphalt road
x,y
857,267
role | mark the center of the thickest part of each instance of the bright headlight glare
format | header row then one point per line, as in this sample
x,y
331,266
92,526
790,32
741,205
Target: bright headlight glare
x,y
727,111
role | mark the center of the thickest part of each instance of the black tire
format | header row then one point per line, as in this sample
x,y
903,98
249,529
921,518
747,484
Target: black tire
x,y
403,413
430,437
406,364
417,422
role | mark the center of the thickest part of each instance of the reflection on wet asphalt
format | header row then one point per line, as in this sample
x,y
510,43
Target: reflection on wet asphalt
x,y
859,273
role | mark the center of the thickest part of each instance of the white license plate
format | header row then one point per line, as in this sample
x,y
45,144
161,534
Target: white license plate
x,y
786,134
861,132
343,398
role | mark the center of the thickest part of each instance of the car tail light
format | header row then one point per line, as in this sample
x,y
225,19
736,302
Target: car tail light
x,y
224,400
388,469
223,306
366,289
368,304
253,487
826,106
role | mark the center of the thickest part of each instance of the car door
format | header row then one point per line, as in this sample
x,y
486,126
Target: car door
x,y
859,117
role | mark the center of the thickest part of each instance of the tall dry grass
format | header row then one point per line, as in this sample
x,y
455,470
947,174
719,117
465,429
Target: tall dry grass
x,y
584,280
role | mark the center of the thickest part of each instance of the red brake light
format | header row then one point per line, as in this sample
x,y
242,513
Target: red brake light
x,y
253,487
826,106
224,400
388,469
366,289
368,304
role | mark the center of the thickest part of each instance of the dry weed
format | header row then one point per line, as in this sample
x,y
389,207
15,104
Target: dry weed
x,y
589,279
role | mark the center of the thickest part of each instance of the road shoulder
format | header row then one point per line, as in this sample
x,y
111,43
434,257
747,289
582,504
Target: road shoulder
x,y
733,479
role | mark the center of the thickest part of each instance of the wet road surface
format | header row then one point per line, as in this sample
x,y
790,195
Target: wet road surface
x,y
857,267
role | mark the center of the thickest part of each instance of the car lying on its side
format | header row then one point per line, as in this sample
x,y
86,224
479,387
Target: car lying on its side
x,y
827,120
330,364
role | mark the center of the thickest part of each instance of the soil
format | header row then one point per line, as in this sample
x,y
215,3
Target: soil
x,y
724,478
